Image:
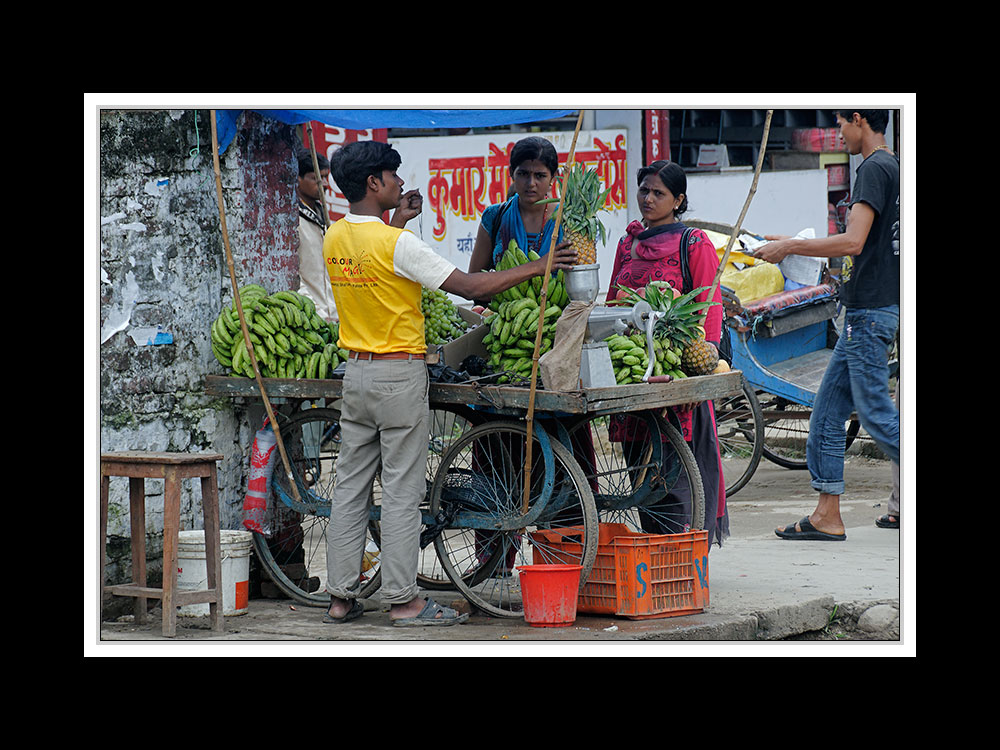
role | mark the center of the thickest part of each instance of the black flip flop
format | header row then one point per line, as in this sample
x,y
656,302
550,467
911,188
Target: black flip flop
x,y
883,522
808,532
357,609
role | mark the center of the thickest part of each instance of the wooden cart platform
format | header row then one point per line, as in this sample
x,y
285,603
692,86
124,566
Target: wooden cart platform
x,y
510,400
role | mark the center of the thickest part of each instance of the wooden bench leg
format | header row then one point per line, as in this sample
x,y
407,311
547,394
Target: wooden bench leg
x,y
213,547
137,521
171,528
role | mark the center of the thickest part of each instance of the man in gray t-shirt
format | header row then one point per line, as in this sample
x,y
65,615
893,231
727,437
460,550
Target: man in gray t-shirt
x,y
857,376
873,279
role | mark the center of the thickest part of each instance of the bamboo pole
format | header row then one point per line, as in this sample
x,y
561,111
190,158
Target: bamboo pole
x,y
239,309
541,316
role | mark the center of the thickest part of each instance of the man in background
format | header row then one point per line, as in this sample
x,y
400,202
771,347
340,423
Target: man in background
x,y
314,282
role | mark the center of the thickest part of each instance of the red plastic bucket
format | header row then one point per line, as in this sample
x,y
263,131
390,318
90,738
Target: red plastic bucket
x,y
549,593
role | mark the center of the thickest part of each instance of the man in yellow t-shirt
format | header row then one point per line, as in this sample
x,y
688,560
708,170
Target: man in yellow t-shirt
x,y
376,272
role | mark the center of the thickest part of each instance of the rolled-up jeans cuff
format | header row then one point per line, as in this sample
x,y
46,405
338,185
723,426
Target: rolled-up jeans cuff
x,y
829,488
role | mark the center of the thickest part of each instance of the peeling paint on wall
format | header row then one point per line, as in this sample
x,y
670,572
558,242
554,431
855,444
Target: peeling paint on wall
x,y
118,317
157,265
164,279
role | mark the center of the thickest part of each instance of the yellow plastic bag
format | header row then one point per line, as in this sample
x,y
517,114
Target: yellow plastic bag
x,y
753,282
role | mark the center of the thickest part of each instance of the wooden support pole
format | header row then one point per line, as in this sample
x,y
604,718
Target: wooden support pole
x,y
542,300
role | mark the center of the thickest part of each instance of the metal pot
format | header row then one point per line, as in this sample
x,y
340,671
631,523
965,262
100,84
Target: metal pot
x,y
583,283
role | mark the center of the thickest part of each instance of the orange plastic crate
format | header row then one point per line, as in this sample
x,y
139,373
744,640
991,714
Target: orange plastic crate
x,y
638,576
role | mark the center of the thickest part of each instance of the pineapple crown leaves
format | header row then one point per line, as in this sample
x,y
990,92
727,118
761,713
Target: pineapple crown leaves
x,y
664,302
580,189
681,317
685,299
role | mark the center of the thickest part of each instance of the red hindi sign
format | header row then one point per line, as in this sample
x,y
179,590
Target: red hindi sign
x,y
657,131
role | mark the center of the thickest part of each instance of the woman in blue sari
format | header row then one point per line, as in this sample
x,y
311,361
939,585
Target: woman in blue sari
x,y
534,164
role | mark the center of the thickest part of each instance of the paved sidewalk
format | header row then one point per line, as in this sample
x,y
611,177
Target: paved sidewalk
x,y
762,589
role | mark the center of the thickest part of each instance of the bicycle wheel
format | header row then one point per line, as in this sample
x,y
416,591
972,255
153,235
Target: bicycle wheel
x,y
786,431
294,556
620,475
479,490
448,422
683,506
739,424
786,428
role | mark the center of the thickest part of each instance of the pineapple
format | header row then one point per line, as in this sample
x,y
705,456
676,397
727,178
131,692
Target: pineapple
x,y
699,357
582,198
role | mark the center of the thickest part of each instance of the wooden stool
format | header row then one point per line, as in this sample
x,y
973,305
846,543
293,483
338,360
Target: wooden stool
x,y
172,468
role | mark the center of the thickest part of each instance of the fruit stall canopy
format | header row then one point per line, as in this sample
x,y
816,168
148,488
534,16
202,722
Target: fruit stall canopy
x,y
363,119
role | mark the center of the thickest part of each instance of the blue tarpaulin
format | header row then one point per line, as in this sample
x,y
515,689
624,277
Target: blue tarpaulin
x,y
363,119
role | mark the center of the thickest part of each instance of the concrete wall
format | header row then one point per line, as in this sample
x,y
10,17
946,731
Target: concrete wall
x,y
163,264
786,202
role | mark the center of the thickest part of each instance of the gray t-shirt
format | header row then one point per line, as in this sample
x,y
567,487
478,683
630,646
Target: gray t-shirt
x,y
874,276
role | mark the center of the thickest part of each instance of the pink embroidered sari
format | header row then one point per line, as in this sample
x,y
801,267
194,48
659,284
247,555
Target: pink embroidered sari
x,y
646,255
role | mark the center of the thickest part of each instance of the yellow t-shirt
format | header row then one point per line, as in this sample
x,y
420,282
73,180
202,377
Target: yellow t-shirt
x,y
377,272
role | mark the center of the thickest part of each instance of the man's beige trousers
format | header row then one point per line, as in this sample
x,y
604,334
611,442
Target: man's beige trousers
x,y
384,428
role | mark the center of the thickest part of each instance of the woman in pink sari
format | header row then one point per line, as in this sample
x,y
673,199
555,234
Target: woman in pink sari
x,y
651,251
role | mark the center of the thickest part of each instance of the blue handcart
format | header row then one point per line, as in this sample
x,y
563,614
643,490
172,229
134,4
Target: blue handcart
x,y
782,344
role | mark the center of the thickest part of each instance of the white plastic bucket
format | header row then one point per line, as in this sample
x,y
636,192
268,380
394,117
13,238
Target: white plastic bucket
x,y
192,572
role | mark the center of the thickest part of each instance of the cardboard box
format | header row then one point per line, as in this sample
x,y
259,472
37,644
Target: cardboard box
x,y
471,343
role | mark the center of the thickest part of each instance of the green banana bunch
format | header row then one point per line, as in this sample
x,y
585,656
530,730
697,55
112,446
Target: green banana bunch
x,y
630,357
289,339
511,338
668,357
530,288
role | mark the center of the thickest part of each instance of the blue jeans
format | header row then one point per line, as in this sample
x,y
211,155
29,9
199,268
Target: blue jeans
x,y
856,380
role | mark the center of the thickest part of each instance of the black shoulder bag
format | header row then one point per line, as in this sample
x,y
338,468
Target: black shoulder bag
x,y
725,345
